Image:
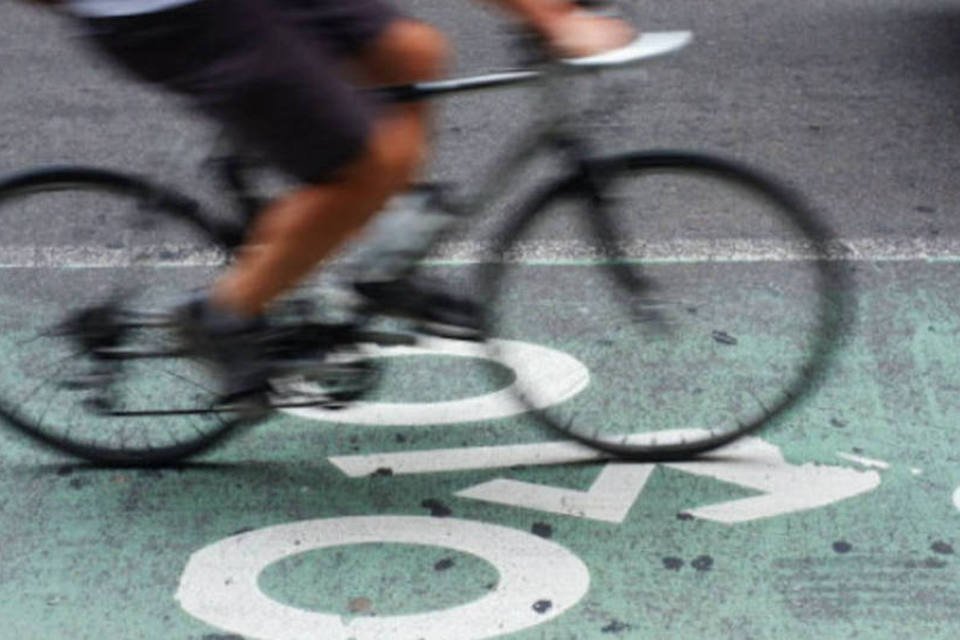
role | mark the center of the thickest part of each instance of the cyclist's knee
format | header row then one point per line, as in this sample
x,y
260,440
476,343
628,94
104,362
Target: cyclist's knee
x,y
425,52
391,158
408,51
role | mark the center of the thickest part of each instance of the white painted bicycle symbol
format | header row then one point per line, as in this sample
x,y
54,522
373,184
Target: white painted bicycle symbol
x,y
220,582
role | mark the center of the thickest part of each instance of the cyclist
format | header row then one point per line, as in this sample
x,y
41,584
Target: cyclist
x,y
285,77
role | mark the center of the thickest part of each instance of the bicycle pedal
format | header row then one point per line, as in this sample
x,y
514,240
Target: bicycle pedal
x,y
99,404
334,387
450,331
306,401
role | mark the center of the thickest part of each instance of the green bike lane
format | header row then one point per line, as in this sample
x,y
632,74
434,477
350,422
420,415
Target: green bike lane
x,y
838,522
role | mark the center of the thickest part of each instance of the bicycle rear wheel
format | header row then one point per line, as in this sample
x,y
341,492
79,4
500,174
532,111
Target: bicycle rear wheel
x,y
707,318
72,238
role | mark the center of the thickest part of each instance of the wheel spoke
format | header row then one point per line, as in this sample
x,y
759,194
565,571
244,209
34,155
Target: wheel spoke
x,y
694,346
35,402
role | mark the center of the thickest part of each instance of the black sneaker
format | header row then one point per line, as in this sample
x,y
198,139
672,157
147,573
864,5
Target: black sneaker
x,y
438,311
236,348
265,365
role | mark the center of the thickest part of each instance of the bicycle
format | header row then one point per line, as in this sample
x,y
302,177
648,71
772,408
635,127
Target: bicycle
x,y
92,384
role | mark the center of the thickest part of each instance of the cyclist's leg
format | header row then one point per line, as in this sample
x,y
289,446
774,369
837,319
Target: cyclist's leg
x,y
298,231
244,64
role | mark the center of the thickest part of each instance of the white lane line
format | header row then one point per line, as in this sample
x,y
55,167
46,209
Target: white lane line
x,y
864,462
503,456
94,257
683,251
677,251
467,458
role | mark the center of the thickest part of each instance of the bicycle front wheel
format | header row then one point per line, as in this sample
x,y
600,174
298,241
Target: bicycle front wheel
x,y
703,297
72,238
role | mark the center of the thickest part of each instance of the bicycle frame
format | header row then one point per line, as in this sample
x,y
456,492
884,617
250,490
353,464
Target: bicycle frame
x,y
100,332
554,130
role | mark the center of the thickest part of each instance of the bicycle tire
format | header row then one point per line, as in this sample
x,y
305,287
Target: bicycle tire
x,y
76,199
810,273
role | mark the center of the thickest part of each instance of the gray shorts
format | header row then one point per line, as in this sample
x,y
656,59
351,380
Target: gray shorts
x,y
268,70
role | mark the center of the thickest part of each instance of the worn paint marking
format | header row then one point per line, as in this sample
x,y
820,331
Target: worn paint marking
x,y
219,584
553,376
751,463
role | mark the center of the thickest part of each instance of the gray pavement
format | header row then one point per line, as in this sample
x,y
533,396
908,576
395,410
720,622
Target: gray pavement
x,y
855,102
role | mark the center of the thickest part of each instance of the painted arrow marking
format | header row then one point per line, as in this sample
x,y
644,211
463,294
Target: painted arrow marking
x,y
785,488
751,463
609,498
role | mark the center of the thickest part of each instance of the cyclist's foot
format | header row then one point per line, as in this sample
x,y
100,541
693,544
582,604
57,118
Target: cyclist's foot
x,y
264,365
438,311
577,34
235,347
